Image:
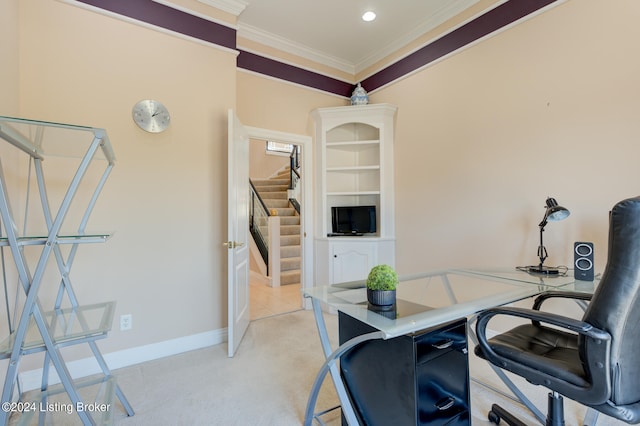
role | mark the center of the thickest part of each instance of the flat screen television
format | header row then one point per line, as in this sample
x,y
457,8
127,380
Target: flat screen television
x,y
353,220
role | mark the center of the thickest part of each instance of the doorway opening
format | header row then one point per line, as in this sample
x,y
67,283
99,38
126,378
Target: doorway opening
x,y
276,264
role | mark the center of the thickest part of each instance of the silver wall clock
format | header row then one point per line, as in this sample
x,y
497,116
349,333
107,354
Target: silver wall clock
x,y
151,116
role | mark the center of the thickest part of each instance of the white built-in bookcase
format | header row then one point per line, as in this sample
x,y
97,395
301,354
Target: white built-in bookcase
x,y
354,167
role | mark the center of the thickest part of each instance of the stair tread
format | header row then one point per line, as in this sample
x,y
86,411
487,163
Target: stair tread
x,y
267,180
285,220
284,254
290,245
274,192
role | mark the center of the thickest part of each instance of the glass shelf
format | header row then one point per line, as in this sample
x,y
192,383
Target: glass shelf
x,y
54,407
66,326
40,139
81,146
60,239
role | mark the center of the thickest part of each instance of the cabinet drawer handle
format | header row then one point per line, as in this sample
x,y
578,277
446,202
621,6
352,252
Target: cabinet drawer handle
x,y
444,344
445,403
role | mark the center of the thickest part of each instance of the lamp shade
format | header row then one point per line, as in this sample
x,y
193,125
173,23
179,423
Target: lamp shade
x,y
554,211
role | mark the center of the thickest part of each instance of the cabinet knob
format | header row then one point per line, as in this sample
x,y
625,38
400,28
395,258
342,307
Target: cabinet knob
x,y
335,255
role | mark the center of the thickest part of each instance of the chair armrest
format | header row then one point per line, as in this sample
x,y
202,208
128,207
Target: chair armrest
x,y
568,323
575,295
596,341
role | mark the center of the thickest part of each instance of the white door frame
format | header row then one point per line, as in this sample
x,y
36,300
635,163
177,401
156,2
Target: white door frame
x,y
306,204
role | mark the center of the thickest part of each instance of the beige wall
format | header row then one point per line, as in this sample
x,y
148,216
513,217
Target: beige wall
x,y
9,75
261,164
272,104
9,55
546,108
165,199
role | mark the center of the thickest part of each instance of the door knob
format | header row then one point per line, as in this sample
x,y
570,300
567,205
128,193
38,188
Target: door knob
x,y
232,244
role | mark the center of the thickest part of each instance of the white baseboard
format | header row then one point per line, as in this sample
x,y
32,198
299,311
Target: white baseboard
x,y
32,379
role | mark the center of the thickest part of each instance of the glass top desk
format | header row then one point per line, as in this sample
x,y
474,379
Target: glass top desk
x,y
424,300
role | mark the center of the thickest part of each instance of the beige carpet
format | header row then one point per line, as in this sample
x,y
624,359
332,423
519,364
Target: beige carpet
x,y
268,382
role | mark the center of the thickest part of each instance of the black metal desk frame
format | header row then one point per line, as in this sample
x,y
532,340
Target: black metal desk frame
x,y
520,286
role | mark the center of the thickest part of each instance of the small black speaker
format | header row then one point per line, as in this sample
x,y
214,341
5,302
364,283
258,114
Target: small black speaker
x,y
583,261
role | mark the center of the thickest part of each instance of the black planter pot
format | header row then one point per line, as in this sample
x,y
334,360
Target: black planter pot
x,y
387,311
381,297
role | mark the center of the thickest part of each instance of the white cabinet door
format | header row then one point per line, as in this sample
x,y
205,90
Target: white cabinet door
x,y
352,261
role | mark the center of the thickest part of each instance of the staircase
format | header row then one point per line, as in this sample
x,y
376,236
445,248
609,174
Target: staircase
x,y
273,192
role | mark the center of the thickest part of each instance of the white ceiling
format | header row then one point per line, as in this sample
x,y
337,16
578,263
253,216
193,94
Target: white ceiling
x,y
333,33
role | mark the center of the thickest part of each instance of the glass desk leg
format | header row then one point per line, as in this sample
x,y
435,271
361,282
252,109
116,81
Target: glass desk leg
x,y
331,367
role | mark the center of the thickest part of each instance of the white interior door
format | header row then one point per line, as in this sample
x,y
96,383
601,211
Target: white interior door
x,y
238,232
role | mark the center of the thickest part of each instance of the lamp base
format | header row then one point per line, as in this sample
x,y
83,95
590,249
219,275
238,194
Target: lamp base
x,y
543,270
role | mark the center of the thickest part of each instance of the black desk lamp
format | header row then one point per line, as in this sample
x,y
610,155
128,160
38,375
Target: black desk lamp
x,y
553,213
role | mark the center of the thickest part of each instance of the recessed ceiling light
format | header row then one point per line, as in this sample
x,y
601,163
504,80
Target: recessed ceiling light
x,y
368,16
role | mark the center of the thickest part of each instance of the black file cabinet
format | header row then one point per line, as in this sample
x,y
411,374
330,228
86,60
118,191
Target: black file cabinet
x,y
415,379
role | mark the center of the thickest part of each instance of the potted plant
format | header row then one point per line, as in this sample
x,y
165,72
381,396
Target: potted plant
x,y
382,282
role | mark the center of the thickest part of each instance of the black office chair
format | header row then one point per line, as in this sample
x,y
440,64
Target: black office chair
x,y
594,361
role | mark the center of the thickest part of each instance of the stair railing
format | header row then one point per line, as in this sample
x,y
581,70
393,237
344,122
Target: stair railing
x,y
259,223
294,166
294,177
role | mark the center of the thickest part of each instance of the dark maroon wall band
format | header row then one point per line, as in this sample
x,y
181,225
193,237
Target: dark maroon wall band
x,y
483,25
171,19
181,22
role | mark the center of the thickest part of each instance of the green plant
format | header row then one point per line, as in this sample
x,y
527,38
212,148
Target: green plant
x,y
382,277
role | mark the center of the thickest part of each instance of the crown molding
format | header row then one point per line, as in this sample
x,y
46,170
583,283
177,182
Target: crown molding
x,y
268,39
255,34
235,7
192,12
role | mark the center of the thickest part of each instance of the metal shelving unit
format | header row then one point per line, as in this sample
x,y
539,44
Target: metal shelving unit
x,y
66,322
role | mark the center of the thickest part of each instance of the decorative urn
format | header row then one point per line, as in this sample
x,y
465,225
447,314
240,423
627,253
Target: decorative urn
x,y
359,96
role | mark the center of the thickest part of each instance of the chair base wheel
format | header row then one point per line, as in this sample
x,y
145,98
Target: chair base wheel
x,y
493,417
498,413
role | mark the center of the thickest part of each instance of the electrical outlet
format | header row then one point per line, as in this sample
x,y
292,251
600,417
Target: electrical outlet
x,y
125,322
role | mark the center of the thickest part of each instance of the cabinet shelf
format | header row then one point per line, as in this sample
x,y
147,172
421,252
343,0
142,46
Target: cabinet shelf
x,y
353,193
343,144
66,326
352,168
353,156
